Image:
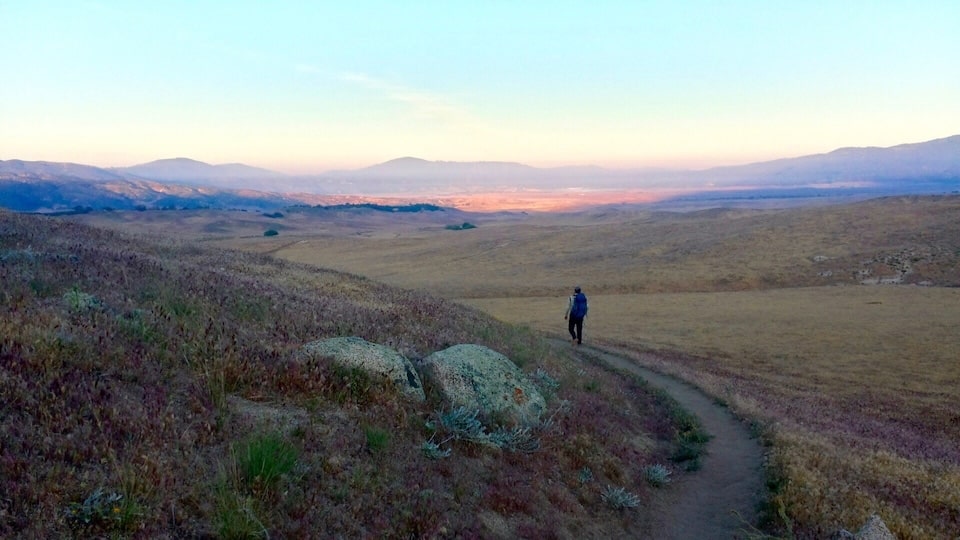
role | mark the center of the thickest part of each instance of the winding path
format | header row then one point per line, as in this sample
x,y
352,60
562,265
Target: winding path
x,y
720,500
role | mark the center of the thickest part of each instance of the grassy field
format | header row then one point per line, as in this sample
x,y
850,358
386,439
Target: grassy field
x,y
153,389
854,386
859,384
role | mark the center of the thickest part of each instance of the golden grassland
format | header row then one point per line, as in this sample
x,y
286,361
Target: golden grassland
x,y
854,386
860,384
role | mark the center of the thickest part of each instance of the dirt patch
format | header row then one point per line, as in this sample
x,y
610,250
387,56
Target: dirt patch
x,y
721,499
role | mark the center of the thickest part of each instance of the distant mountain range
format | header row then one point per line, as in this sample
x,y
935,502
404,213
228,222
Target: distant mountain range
x,y
927,167
189,170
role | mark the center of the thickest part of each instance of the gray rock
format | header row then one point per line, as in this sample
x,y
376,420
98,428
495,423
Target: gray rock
x,y
479,378
874,529
374,359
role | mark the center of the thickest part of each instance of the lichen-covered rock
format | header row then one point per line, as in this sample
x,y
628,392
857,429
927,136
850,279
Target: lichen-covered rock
x,y
873,529
479,378
373,358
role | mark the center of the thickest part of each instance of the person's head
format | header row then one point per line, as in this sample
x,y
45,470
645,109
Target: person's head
x,y
576,289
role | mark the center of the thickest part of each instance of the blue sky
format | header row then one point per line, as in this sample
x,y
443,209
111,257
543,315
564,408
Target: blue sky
x,y
311,86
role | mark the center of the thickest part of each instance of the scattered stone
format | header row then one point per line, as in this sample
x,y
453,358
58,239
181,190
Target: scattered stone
x,y
478,378
373,358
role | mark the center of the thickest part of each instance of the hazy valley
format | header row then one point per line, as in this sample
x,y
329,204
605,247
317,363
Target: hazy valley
x,y
843,175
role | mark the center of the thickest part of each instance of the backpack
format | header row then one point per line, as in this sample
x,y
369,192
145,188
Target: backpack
x,y
579,308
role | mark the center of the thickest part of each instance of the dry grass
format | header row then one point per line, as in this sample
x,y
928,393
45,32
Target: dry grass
x,y
122,360
855,386
860,383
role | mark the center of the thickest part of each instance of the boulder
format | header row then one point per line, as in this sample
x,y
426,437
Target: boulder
x,y
373,358
478,378
873,529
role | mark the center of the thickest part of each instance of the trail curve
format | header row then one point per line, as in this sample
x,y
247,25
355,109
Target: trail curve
x,y
721,499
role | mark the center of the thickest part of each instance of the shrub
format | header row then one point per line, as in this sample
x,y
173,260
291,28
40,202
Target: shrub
x,y
515,440
104,510
547,384
657,475
690,439
78,301
377,439
619,498
264,459
463,424
585,476
270,232
433,450
236,517
462,227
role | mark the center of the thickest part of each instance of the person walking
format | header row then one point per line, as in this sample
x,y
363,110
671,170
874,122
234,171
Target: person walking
x,y
576,311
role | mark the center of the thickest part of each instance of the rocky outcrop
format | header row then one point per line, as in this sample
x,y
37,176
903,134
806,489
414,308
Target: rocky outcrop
x,y
478,378
372,358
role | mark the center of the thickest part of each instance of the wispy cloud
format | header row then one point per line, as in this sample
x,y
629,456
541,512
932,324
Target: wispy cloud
x,y
425,104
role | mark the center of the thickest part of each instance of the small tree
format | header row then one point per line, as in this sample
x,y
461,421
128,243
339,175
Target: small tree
x,y
270,232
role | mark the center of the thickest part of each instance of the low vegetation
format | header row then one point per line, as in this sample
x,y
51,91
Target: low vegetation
x,y
832,329
123,360
466,225
852,388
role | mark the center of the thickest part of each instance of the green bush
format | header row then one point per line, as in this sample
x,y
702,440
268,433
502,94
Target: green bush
x,y
462,227
377,439
236,516
78,301
264,459
270,232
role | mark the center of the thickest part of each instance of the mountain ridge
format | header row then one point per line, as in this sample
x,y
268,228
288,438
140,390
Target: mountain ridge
x,y
184,169
925,167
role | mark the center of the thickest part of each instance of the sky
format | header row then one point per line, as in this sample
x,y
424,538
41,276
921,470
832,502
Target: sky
x,y
305,87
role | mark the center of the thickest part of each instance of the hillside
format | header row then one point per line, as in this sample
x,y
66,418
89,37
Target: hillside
x,y
141,378
908,240
831,328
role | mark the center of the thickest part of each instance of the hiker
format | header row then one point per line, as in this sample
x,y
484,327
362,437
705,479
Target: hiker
x,y
576,311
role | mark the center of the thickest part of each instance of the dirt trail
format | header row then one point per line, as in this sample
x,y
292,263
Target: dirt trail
x,y
720,500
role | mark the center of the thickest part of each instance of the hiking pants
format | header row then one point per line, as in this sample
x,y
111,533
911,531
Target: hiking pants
x,y
576,323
